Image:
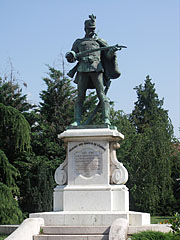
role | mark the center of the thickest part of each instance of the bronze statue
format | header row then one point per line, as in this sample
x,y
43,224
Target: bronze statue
x,y
96,65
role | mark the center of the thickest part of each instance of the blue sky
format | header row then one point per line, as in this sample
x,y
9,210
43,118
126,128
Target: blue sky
x,y
37,32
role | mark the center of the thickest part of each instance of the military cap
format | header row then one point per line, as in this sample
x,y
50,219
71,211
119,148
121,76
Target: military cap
x,y
90,23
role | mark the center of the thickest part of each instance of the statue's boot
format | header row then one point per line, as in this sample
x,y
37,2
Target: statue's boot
x,y
77,114
106,113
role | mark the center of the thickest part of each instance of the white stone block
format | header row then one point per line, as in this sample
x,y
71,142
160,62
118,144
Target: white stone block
x,y
91,198
28,228
76,134
138,218
120,198
58,197
80,218
119,229
91,218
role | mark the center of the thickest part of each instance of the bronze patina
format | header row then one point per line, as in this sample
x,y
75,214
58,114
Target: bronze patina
x,y
97,64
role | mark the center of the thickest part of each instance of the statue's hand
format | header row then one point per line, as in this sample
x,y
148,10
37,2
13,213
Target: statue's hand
x,y
70,56
112,51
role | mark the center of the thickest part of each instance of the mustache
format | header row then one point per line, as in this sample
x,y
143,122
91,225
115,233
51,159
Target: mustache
x,y
92,34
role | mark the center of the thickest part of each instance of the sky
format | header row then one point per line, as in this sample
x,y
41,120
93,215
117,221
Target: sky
x,y
37,33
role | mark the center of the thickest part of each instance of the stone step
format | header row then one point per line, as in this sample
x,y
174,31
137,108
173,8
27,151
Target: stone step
x,y
70,237
76,230
90,232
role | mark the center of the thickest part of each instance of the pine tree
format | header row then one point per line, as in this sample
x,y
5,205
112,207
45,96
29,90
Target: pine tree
x,y
54,114
11,95
14,141
151,188
175,159
14,135
126,150
58,101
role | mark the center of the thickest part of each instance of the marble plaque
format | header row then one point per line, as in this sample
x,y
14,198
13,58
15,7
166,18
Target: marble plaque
x,y
88,162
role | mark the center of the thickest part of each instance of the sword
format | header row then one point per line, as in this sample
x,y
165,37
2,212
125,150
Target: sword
x,y
72,56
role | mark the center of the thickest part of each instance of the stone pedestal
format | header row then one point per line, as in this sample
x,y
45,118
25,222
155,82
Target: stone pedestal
x,y
91,178
91,181
95,198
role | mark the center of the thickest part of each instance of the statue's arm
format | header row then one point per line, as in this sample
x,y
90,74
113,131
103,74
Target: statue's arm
x,y
69,55
109,53
75,46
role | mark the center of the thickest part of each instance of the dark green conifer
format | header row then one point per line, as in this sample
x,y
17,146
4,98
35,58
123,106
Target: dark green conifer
x,y
151,186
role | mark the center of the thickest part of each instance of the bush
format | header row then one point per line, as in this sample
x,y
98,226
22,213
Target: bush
x,y
150,235
175,224
2,237
9,209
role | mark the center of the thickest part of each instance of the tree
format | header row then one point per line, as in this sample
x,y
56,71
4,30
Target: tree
x,y
11,95
36,183
175,159
58,101
52,117
14,131
151,186
15,141
127,149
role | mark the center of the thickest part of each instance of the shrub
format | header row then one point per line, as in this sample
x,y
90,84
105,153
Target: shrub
x,y
151,235
175,224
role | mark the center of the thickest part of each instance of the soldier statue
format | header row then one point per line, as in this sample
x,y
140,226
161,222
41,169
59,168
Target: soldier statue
x,y
96,65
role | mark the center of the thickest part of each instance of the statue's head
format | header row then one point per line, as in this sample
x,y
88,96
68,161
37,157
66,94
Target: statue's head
x,y
90,24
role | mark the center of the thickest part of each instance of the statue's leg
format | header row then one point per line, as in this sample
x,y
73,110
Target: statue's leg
x,y
82,87
98,83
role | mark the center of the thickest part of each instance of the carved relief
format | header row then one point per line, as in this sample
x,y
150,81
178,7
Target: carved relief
x,y
119,174
88,162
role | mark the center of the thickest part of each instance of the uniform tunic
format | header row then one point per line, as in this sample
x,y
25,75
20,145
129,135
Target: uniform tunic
x,y
92,61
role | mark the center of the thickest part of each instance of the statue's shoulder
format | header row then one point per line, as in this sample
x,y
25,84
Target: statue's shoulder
x,y
77,41
102,42
76,44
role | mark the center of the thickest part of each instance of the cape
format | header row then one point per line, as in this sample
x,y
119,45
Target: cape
x,y
111,70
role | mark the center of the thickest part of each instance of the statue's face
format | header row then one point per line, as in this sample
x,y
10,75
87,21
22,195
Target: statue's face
x,y
90,31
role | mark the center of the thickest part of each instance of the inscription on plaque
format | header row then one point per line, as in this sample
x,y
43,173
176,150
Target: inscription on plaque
x,y
88,162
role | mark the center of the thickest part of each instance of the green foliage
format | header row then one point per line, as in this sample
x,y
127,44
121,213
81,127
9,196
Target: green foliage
x,y
152,161
175,224
148,109
58,101
36,183
7,171
54,114
2,237
151,186
9,210
14,128
175,160
150,235
126,152
11,95
15,136
89,105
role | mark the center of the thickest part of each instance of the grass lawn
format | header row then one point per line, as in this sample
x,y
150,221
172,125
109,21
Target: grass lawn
x,y
160,219
2,237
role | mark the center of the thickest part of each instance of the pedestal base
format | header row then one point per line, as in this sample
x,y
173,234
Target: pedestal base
x,y
91,218
91,198
91,181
